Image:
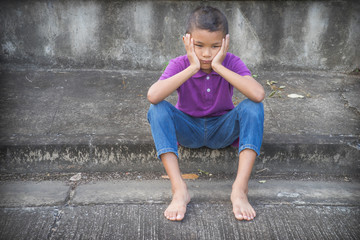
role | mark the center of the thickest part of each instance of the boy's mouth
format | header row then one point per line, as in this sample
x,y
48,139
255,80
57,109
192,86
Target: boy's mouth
x,y
206,62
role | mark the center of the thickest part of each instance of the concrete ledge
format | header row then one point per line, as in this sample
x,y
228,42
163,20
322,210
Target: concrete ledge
x,y
279,154
55,193
270,192
44,193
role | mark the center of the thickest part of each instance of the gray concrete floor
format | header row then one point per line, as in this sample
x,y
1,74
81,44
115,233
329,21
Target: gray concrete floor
x,y
133,209
203,221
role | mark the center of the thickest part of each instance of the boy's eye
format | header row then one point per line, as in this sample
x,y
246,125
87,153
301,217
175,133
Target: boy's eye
x,y
198,45
216,46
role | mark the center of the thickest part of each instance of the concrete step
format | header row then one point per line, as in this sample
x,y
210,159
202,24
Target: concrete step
x,y
332,155
25,193
70,121
261,192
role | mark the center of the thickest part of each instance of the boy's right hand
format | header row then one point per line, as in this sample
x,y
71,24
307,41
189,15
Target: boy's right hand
x,y
190,50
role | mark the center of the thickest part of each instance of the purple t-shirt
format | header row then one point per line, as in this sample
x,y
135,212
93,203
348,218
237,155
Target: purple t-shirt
x,y
205,95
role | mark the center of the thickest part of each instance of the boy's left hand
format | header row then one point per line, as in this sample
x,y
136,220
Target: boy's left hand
x,y
220,56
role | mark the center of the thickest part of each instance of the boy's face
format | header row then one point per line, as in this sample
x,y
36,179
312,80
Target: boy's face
x,y
207,45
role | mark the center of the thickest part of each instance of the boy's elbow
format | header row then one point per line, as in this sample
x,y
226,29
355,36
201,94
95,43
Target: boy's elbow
x,y
151,98
260,96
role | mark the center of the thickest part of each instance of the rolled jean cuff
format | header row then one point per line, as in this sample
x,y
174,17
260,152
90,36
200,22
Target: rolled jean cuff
x,y
249,146
166,150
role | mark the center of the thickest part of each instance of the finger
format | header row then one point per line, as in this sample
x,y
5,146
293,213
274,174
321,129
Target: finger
x,y
188,43
227,42
223,46
192,45
185,41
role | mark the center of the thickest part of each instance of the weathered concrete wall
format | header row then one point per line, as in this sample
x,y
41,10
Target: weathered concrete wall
x,y
146,34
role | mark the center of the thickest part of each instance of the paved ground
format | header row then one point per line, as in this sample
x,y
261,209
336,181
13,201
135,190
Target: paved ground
x,y
133,209
204,221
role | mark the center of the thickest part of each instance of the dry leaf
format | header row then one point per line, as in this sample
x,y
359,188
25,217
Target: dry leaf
x,y
262,170
203,172
190,176
262,181
272,93
184,176
76,177
295,96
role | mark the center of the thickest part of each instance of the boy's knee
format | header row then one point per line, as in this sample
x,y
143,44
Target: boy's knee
x,y
249,107
158,110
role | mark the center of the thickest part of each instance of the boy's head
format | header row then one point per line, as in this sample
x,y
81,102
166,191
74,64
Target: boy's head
x,y
207,18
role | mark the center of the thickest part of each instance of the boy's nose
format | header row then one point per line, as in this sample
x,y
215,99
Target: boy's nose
x,y
206,53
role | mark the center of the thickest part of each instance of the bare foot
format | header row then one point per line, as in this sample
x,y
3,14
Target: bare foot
x,y
177,208
241,206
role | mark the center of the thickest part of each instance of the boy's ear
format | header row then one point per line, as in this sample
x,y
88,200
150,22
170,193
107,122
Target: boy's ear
x,y
183,38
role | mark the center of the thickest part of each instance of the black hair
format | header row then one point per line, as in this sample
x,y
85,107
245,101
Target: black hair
x,y
207,18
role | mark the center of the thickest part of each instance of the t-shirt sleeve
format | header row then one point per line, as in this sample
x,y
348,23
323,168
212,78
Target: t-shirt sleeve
x,y
171,69
238,66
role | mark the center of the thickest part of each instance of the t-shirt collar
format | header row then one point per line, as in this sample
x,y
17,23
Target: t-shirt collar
x,y
201,74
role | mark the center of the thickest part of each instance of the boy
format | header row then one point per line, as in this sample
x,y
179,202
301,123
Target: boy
x,y
204,114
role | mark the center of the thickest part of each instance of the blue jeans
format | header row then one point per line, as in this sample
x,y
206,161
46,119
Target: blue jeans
x,y
170,126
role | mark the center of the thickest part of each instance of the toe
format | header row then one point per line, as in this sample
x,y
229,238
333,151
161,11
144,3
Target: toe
x,y
179,217
170,215
248,216
238,214
173,216
252,214
239,217
181,213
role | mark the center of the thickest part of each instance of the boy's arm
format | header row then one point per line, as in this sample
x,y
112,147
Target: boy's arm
x,y
247,85
163,88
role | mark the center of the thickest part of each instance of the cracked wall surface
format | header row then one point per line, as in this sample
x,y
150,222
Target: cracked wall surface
x,y
146,34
